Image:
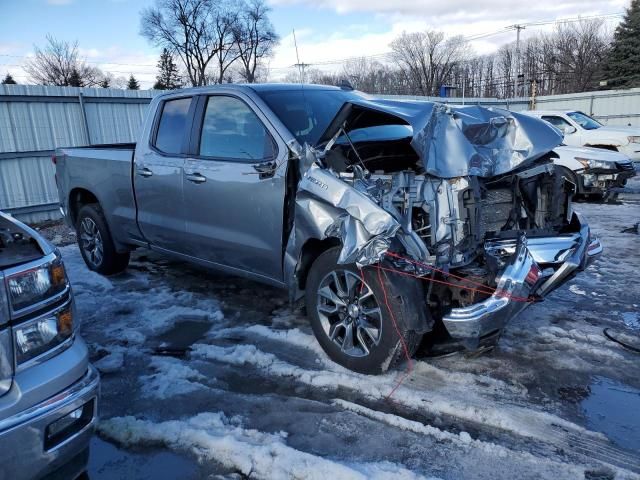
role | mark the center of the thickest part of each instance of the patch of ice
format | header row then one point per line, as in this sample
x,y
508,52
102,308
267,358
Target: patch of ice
x,y
214,437
462,439
631,319
111,363
522,421
172,377
577,290
78,271
133,337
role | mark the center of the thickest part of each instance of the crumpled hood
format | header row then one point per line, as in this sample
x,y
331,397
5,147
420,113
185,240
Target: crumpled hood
x,y
456,141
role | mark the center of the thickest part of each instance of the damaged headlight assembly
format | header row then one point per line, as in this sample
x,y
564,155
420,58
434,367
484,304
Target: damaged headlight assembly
x,y
593,164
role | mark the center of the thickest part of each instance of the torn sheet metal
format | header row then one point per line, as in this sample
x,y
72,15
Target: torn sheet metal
x,y
329,207
456,141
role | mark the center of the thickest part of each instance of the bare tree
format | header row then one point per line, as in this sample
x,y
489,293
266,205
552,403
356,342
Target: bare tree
x,y
185,27
428,58
254,36
59,63
226,51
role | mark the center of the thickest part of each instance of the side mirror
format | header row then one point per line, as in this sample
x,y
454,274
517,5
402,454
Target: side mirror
x,y
568,129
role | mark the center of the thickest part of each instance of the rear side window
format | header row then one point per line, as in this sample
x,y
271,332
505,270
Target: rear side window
x,y
231,130
556,121
173,121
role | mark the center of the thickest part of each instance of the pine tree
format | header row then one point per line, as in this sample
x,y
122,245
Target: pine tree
x,y
133,83
8,80
74,79
623,64
168,77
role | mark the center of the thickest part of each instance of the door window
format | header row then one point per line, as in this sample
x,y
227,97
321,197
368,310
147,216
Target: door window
x,y
173,121
557,122
231,130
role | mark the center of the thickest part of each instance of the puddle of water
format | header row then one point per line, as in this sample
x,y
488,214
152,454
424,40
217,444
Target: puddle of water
x,y
612,408
183,334
108,462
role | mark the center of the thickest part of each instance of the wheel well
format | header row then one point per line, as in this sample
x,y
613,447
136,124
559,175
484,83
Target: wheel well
x,y
310,251
78,198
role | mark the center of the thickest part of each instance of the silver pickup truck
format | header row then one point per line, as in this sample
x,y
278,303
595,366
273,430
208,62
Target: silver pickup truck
x,y
400,223
48,389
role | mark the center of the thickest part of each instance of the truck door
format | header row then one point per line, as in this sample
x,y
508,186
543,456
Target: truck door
x,y
158,176
234,197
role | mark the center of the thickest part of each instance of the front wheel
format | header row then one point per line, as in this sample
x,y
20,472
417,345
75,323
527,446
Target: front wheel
x,y
351,316
96,244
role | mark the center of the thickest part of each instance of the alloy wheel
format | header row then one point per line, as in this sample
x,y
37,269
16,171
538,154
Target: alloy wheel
x,y
349,312
91,241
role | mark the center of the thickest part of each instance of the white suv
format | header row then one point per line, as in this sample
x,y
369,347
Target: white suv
x,y
580,129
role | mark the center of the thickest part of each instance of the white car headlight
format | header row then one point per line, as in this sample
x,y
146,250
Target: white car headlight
x,y
37,284
592,163
634,139
40,335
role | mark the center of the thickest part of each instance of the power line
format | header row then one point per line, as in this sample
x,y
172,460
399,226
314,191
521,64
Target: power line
x,y
372,56
467,38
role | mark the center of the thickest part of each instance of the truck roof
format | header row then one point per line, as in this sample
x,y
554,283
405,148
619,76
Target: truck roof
x,y
256,87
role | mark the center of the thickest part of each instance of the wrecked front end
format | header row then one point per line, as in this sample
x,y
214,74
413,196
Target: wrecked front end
x,y
465,199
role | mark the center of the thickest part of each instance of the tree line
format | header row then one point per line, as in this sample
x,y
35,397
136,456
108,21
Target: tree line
x,y
574,57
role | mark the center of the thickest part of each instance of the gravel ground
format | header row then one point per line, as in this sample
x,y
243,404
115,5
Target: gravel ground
x,y
247,391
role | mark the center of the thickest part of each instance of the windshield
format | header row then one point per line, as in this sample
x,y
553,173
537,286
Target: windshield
x,y
307,113
585,121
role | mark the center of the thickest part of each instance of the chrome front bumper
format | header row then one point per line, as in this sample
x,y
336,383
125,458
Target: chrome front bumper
x,y
24,449
536,267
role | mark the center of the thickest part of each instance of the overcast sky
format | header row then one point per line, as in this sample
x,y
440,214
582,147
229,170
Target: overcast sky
x,y
326,30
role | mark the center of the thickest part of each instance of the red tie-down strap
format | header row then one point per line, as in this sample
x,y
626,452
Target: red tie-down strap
x,y
532,277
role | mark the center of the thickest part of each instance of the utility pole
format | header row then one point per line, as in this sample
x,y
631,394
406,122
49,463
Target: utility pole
x,y
517,27
300,66
534,92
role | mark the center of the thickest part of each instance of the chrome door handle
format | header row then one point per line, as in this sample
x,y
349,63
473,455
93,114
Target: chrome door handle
x,y
144,172
196,178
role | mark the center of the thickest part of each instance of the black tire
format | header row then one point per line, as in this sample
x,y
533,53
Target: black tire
x,y
389,348
105,260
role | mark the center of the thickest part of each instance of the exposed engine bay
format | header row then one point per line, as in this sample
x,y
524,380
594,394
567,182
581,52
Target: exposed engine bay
x,y
436,184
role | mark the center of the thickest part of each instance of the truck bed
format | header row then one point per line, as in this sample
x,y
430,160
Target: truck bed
x,y
106,172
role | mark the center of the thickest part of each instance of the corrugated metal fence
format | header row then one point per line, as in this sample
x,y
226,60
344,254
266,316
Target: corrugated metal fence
x,y
34,120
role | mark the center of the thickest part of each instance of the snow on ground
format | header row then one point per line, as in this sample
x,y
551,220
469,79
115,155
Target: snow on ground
x,y
247,391
211,436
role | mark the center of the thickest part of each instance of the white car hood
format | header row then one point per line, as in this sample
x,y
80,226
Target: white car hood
x,y
619,129
592,153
